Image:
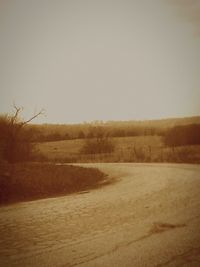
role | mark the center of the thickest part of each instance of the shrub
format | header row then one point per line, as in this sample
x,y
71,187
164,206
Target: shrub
x,y
15,138
97,146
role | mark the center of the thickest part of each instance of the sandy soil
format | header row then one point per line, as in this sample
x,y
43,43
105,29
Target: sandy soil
x,y
150,216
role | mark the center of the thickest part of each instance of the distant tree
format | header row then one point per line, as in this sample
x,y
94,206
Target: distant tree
x,y
97,146
183,135
66,136
97,132
15,138
81,135
98,142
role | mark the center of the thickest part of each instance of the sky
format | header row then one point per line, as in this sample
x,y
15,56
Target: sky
x,y
85,60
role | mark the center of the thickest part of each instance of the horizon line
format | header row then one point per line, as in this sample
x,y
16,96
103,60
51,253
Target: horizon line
x,y
115,121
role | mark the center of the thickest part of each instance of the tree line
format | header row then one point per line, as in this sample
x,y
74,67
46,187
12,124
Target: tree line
x,y
52,133
183,135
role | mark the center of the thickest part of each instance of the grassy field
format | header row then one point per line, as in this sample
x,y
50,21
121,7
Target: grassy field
x,y
28,181
127,149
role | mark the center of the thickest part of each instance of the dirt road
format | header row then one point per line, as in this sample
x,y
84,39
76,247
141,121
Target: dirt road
x,y
150,216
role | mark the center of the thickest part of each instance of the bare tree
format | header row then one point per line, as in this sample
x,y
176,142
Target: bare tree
x,y
17,143
97,142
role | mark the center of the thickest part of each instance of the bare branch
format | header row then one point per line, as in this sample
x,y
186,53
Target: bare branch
x,y
16,114
41,112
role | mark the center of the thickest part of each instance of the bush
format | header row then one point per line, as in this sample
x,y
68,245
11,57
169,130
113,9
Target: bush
x,y
98,146
16,139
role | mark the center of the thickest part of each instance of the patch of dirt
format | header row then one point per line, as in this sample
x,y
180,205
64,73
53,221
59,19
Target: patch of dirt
x,y
159,227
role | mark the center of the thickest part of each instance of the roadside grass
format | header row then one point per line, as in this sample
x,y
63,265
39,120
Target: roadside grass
x,y
30,181
127,149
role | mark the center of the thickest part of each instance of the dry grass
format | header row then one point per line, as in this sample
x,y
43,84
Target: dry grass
x,y
60,150
22,182
127,149
70,149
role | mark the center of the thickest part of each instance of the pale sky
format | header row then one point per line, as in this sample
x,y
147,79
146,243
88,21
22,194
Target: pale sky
x,y
84,60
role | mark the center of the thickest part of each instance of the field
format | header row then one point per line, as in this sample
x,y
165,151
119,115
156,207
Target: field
x,y
127,149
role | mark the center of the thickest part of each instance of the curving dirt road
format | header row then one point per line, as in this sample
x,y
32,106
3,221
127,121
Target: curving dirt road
x,y
150,216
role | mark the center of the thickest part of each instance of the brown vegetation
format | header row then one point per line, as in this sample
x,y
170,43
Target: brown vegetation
x,y
175,140
57,132
98,143
183,135
126,149
28,181
16,139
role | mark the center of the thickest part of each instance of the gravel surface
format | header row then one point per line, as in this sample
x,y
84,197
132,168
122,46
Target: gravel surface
x,y
149,216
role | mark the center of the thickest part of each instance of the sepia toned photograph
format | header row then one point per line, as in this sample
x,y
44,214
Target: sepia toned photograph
x,y
100,133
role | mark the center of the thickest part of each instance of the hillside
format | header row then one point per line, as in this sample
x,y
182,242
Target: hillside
x,y
134,141
54,132
127,149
